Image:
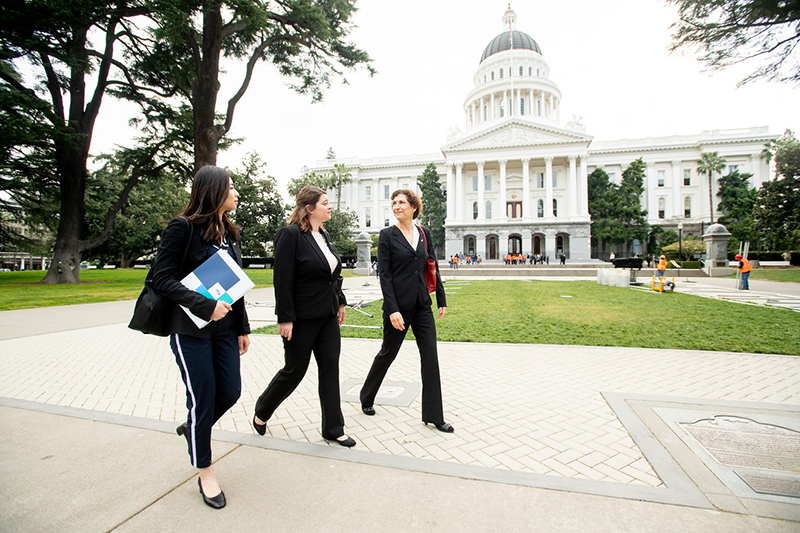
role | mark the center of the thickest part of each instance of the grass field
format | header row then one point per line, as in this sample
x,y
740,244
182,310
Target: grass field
x,y
584,313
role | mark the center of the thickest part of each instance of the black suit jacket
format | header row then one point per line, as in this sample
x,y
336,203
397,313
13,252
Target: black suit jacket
x,y
305,287
168,273
402,271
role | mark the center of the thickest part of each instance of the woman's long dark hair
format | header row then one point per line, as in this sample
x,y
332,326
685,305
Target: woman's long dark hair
x,y
209,192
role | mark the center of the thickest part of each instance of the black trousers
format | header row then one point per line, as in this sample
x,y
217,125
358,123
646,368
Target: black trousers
x,y
210,369
420,319
323,338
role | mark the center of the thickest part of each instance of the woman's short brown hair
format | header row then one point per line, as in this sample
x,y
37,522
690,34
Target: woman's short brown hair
x,y
413,200
308,196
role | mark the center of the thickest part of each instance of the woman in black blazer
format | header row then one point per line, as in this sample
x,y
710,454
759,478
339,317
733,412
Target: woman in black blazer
x,y
402,257
310,306
208,358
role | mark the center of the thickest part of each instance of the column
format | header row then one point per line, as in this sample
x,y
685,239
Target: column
x,y
459,192
451,193
677,201
377,214
531,112
652,201
541,103
550,245
491,109
503,194
572,188
583,186
548,189
352,189
527,206
481,187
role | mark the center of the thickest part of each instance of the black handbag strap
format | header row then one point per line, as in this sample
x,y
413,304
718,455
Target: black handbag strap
x,y
149,278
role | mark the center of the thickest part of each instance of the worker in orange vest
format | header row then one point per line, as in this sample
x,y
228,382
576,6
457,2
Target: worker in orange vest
x,y
662,266
744,269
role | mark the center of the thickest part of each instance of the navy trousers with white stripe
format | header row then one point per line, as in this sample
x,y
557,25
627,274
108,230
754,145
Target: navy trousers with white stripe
x,y
210,368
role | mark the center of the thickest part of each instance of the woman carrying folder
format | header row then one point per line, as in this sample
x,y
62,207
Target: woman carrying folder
x,y
310,306
208,358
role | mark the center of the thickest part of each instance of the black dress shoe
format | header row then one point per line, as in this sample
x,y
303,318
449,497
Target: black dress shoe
x,y
369,411
261,429
183,430
345,441
217,502
443,427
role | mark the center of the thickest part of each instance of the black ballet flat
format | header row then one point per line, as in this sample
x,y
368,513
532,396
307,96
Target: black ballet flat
x,y
261,429
349,442
369,411
443,427
217,502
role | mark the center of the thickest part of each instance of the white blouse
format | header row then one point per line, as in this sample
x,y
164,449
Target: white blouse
x,y
323,245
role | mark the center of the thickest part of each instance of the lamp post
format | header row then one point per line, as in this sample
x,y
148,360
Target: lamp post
x,y
680,243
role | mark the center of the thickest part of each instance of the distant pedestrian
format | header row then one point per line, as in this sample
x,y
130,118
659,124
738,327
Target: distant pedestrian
x,y
563,258
661,268
744,270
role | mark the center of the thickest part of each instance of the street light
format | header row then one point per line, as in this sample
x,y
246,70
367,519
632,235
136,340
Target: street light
x,y
680,243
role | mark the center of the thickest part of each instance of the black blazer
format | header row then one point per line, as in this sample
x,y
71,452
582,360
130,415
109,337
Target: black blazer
x,y
402,271
167,276
305,287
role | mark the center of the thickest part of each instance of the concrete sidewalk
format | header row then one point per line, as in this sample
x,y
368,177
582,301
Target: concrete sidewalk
x,y
548,438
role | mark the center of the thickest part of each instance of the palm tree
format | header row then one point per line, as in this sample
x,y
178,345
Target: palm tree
x,y
339,177
709,163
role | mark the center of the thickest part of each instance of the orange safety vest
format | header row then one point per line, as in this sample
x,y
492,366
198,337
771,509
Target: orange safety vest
x,y
745,266
662,264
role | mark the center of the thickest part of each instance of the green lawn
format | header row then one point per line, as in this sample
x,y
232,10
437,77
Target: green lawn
x,y
776,274
21,290
584,313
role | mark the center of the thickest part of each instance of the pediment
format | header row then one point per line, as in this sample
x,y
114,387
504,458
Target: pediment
x,y
515,134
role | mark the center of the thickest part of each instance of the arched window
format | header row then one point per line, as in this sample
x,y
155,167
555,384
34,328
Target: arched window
x,y
492,75
530,71
367,218
474,210
555,207
386,218
540,180
502,71
661,207
687,207
559,244
520,71
521,106
503,107
540,209
485,112
488,209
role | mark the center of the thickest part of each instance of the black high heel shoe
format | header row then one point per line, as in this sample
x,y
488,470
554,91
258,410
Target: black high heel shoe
x,y
443,427
217,502
261,429
183,431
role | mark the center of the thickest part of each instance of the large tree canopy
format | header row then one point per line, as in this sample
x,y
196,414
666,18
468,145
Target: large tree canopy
x,y
727,32
434,204
777,212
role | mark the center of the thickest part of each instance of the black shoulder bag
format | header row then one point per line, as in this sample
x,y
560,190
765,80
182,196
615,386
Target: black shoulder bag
x,y
151,314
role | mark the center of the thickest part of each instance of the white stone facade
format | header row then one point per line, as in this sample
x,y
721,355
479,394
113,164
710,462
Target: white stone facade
x,y
516,181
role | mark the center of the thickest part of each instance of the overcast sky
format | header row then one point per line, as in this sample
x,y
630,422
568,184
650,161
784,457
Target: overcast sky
x,y
609,58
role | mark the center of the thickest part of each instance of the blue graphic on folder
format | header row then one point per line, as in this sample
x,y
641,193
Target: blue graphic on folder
x,y
216,278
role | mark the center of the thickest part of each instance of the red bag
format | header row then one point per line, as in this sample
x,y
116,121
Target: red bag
x,y
430,267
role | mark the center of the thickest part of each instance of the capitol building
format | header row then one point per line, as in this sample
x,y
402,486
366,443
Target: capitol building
x,y
516,178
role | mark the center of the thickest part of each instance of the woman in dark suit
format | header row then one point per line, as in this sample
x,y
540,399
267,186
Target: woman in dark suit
x,y
402,256
208,358
310,306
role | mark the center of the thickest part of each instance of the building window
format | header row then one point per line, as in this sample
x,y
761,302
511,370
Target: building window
x,y
474,183
485,112
367,218
368,192
514,209
661,208
555,179
520,71
488,209
385,218
733,168
502,71
537,72
492,75
503,107
687,207
474,210
539,107
385,192
559,245
661,176
509,72
687,177
521,106
540,180
555,207
530,71
488,183
540,209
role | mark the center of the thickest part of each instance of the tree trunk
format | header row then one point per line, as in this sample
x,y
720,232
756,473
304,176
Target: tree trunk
x,y
204,91
711,196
